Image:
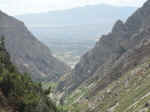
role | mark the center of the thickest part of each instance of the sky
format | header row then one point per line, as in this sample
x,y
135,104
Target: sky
x,y
18,7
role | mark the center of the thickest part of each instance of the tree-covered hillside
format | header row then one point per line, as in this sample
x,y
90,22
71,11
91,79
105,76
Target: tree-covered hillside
x,y
18,93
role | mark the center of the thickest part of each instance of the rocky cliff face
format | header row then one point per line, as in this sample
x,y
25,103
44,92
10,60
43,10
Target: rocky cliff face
x,y
115,52
27,52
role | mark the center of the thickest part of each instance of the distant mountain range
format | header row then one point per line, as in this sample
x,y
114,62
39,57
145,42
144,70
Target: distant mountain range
x,y
96,14
74,30
95,18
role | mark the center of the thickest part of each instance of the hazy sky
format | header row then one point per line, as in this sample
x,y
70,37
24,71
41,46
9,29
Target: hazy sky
x,y
15,7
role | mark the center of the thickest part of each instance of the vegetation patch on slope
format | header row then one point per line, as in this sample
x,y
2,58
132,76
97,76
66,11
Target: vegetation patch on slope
x,y
18,93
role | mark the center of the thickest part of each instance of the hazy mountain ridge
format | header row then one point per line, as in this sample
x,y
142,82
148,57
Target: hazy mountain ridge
x,y
29,54
78,16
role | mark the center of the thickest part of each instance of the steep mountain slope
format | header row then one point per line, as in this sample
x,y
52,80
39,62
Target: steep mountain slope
x,y
114,54
27,52
130,93
114,76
